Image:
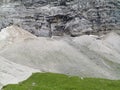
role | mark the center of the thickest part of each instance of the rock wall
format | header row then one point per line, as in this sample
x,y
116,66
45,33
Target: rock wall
x,y
60,17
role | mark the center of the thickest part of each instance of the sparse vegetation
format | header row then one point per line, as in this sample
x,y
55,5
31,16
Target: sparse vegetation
x,y
51,81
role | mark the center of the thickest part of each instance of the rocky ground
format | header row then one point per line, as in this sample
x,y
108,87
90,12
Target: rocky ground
x,y
22,53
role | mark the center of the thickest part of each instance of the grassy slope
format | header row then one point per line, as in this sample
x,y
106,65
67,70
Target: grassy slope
x,y
51,81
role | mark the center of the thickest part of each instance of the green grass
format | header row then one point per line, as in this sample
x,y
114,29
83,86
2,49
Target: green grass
x,y
52,81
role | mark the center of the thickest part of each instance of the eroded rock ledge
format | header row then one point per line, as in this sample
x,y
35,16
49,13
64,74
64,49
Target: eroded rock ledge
x,y
59,17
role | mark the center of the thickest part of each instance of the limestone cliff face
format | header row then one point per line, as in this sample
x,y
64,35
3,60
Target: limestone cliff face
x,y
59,17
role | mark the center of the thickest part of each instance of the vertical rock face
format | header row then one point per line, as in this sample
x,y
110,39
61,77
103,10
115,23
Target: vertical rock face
x,y
56,17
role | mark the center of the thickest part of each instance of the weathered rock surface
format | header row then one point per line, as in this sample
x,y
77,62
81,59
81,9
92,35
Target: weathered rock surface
x,y
56,17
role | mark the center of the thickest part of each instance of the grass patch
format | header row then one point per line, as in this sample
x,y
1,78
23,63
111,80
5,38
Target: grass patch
x,y
52,81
